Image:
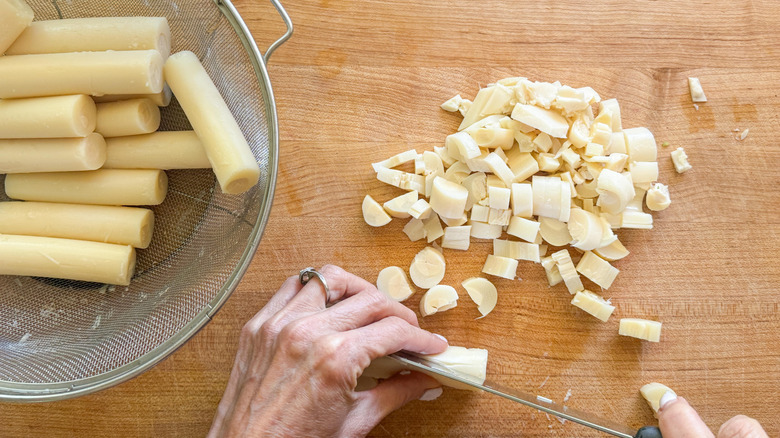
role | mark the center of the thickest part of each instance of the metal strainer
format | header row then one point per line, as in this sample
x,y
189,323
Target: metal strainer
x,y
60,339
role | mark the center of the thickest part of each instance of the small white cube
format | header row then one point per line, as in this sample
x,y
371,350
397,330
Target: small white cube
x,y
499,197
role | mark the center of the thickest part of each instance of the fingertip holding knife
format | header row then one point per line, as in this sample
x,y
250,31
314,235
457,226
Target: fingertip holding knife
x,y
537,402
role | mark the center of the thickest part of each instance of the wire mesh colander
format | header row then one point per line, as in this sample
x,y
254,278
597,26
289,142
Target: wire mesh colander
x,y
60,339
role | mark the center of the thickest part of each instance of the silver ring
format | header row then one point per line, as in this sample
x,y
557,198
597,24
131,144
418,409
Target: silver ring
x,y
306,274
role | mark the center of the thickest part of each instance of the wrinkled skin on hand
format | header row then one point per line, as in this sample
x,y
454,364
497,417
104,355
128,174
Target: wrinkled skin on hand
x,y
299,359
678,419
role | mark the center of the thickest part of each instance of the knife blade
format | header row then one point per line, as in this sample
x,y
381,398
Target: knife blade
x,y
543,404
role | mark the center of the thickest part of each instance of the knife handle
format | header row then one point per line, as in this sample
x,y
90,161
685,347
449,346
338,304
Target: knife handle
x,y
648,432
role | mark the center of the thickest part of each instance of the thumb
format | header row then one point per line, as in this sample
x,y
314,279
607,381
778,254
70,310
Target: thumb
x,y
742,427
375,404
677,419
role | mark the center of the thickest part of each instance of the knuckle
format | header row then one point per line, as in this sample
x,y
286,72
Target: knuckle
x,y
271,328
329,352
333,272
374,300
408,315
399,327
328,347
741,427
380,305
293,279
249,330
295,338
397,323
335,277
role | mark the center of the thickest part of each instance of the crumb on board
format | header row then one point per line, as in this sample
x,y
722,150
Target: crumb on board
x,y
543,399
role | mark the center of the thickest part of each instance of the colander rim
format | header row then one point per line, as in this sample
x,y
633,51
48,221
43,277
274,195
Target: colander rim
x,y
43,392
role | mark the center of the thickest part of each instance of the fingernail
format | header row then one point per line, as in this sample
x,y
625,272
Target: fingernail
x,y
404,372
431,394
441,337
667,398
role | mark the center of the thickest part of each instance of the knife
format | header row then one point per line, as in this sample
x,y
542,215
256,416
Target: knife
x,y
543,404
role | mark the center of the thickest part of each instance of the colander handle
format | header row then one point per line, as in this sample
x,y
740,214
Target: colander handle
x,y
285,37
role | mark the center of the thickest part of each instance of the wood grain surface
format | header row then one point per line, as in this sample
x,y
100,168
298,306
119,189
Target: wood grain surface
x,y
363,80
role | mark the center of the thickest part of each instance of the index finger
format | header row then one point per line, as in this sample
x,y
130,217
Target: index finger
x,y
390,335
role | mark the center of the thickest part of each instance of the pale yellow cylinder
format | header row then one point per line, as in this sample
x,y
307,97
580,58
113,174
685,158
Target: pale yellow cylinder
x,y
93,73
47,117
127,117
99,187
158,150
15,16
98,223
231,158
94,35
52,154
163,98
67,259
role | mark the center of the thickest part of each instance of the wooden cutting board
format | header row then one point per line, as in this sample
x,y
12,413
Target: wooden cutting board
x,y
363,80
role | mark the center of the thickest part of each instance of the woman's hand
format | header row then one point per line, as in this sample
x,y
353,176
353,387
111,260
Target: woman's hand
x,y
298,361
677,419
